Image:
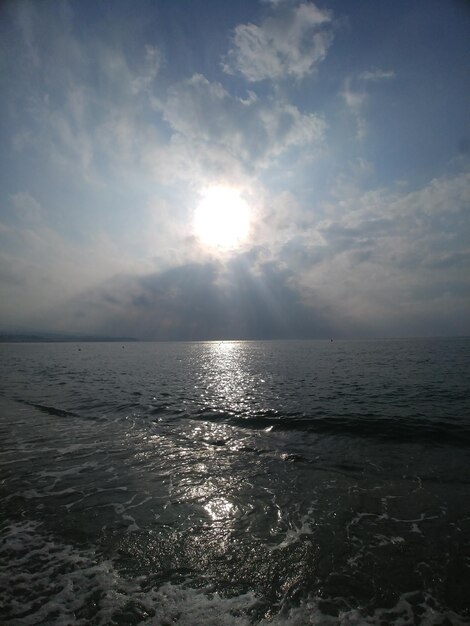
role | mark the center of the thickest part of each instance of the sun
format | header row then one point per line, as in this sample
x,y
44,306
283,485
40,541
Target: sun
x,y
222,218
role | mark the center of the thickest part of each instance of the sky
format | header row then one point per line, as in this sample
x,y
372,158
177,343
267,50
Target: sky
x,y
338,131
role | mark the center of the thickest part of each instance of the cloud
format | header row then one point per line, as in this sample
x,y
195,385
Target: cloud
x,y
143,79
251,131
379,263
40,267
110,151
376,75
26,207
355,95
290,43
376,263
97,112
238,300
76,102
388,259
276,3
354,100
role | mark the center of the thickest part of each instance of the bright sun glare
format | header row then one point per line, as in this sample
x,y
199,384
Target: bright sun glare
x,y
222,218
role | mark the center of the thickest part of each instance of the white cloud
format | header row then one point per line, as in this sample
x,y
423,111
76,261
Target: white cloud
x,y
376,75
150,68
290,43
391,258
355,95
77,102
26,207
353,99
277,2
250,131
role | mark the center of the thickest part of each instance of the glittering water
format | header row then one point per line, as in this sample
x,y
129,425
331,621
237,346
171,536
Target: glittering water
x,y
235,483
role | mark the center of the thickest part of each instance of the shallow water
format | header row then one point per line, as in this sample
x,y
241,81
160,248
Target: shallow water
x,y
235,483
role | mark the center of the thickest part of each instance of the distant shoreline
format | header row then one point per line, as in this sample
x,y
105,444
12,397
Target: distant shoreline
x,y
18,338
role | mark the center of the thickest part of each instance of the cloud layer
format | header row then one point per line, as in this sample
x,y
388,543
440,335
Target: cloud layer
x,y
357,182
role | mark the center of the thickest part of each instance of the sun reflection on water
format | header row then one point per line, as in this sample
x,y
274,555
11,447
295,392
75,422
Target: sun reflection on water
x,y
227,384
220,509
226,387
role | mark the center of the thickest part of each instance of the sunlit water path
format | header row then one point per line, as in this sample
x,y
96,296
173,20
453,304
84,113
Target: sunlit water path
x,y
235,483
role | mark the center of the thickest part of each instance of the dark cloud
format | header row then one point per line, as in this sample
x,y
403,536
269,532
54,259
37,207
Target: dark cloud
x,y
451,260
237,300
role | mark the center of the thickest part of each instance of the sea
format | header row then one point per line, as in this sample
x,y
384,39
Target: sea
x,y
235,483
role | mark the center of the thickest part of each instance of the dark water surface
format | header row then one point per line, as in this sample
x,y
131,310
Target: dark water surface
x,y
235,483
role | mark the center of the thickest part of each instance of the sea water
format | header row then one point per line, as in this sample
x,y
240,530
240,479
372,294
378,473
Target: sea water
x,y
235,483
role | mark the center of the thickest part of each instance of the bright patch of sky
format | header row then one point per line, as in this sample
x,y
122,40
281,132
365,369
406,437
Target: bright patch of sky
x,y
344,126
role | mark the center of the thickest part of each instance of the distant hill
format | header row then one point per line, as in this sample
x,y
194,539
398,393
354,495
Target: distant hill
x,y
53,338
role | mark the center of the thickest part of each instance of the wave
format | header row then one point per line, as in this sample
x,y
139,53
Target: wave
x,y
56,411
50,410
398,429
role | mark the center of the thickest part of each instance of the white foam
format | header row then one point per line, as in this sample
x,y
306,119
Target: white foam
x,y
176,604
33,564
296,533
46,581
402,614
384,541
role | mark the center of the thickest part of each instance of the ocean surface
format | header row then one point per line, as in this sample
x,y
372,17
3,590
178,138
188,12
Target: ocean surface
x,y
240,483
